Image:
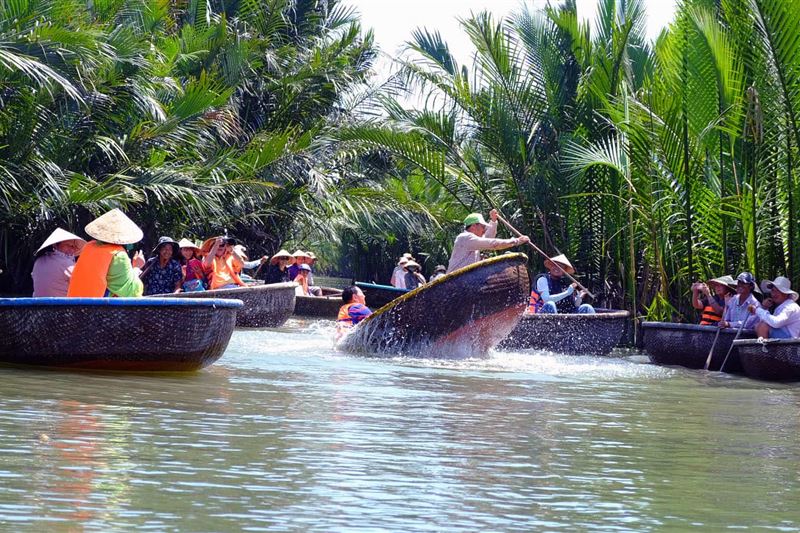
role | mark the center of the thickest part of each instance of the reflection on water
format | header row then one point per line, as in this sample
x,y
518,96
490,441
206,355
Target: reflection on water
x,y
286,434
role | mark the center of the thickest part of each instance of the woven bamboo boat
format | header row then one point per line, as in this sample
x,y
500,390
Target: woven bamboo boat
x,y
462,314
688,345
379,295
572,334
325,306
133,334
265,306
770,359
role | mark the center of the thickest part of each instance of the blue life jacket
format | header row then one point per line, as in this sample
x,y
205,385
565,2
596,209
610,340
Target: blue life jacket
x,y
555,286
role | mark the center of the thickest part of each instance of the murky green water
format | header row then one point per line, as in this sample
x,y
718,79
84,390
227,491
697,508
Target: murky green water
x,y
283,434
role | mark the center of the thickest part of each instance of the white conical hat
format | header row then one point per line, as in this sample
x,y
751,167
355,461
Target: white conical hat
x,y
114,228
59,235
563,262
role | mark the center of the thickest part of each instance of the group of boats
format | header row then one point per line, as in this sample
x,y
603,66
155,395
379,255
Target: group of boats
x,y
463,314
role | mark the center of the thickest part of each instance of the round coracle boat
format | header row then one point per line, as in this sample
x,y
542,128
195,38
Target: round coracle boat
x,y
325,306
462,314
265,306
572,334
688,345
770,359
379,295
132,334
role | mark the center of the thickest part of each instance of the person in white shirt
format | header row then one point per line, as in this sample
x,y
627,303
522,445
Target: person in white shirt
x,y
784,322
399,274
478,235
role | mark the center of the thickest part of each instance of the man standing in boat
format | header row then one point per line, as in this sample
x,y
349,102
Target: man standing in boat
x,y
479,235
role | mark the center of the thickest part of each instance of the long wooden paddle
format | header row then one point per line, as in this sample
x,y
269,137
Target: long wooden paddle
x,y
518,234
711,351
731,348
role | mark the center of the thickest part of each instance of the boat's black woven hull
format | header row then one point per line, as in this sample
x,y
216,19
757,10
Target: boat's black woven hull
x,y
463,314
132,337
318,306
771,360
688,345
265,306
576,334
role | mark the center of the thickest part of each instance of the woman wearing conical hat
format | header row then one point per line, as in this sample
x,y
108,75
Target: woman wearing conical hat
x,y
278,269
553,293
104,268
55,260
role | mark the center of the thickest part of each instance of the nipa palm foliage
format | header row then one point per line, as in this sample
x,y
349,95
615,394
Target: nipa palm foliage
x,y
195,117
653,165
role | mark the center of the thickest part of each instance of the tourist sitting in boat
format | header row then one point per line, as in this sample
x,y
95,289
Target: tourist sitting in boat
x,y
736,313
299,257
278,269
353,311
712,305
553,293
784,321
194,280
104,268
478,235
55,260
221,263
413,278
162,274
399,274
438,272
302,288
312,287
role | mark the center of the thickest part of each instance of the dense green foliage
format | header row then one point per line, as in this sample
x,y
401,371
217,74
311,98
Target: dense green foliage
x,y
651,165
194,117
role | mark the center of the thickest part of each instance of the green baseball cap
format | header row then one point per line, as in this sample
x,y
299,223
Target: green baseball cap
x,y
474,218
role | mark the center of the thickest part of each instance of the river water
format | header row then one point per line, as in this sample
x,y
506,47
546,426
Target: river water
x,y
285,434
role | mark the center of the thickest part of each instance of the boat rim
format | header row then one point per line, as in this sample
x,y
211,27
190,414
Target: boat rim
x,y
600,314
685,327
122,302
765,342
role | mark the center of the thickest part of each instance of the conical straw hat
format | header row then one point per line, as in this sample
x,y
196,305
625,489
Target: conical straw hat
x,y
59,235
186,243
114,228
563,262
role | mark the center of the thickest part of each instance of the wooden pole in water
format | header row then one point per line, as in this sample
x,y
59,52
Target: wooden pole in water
x,y
518,234
711,351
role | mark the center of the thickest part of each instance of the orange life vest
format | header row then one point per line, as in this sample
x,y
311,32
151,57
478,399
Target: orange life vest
x,y
709,317
89,278
222,273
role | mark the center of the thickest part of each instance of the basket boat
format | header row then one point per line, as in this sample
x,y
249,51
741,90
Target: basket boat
x,y
770,359
688,345
462,314
265,306
379,295
325,306
133,334
572,334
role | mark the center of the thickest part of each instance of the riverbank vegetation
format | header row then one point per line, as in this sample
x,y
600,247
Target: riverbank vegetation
x,y
651,164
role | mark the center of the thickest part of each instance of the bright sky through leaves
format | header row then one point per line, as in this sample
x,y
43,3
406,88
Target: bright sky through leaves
x,y
393,21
